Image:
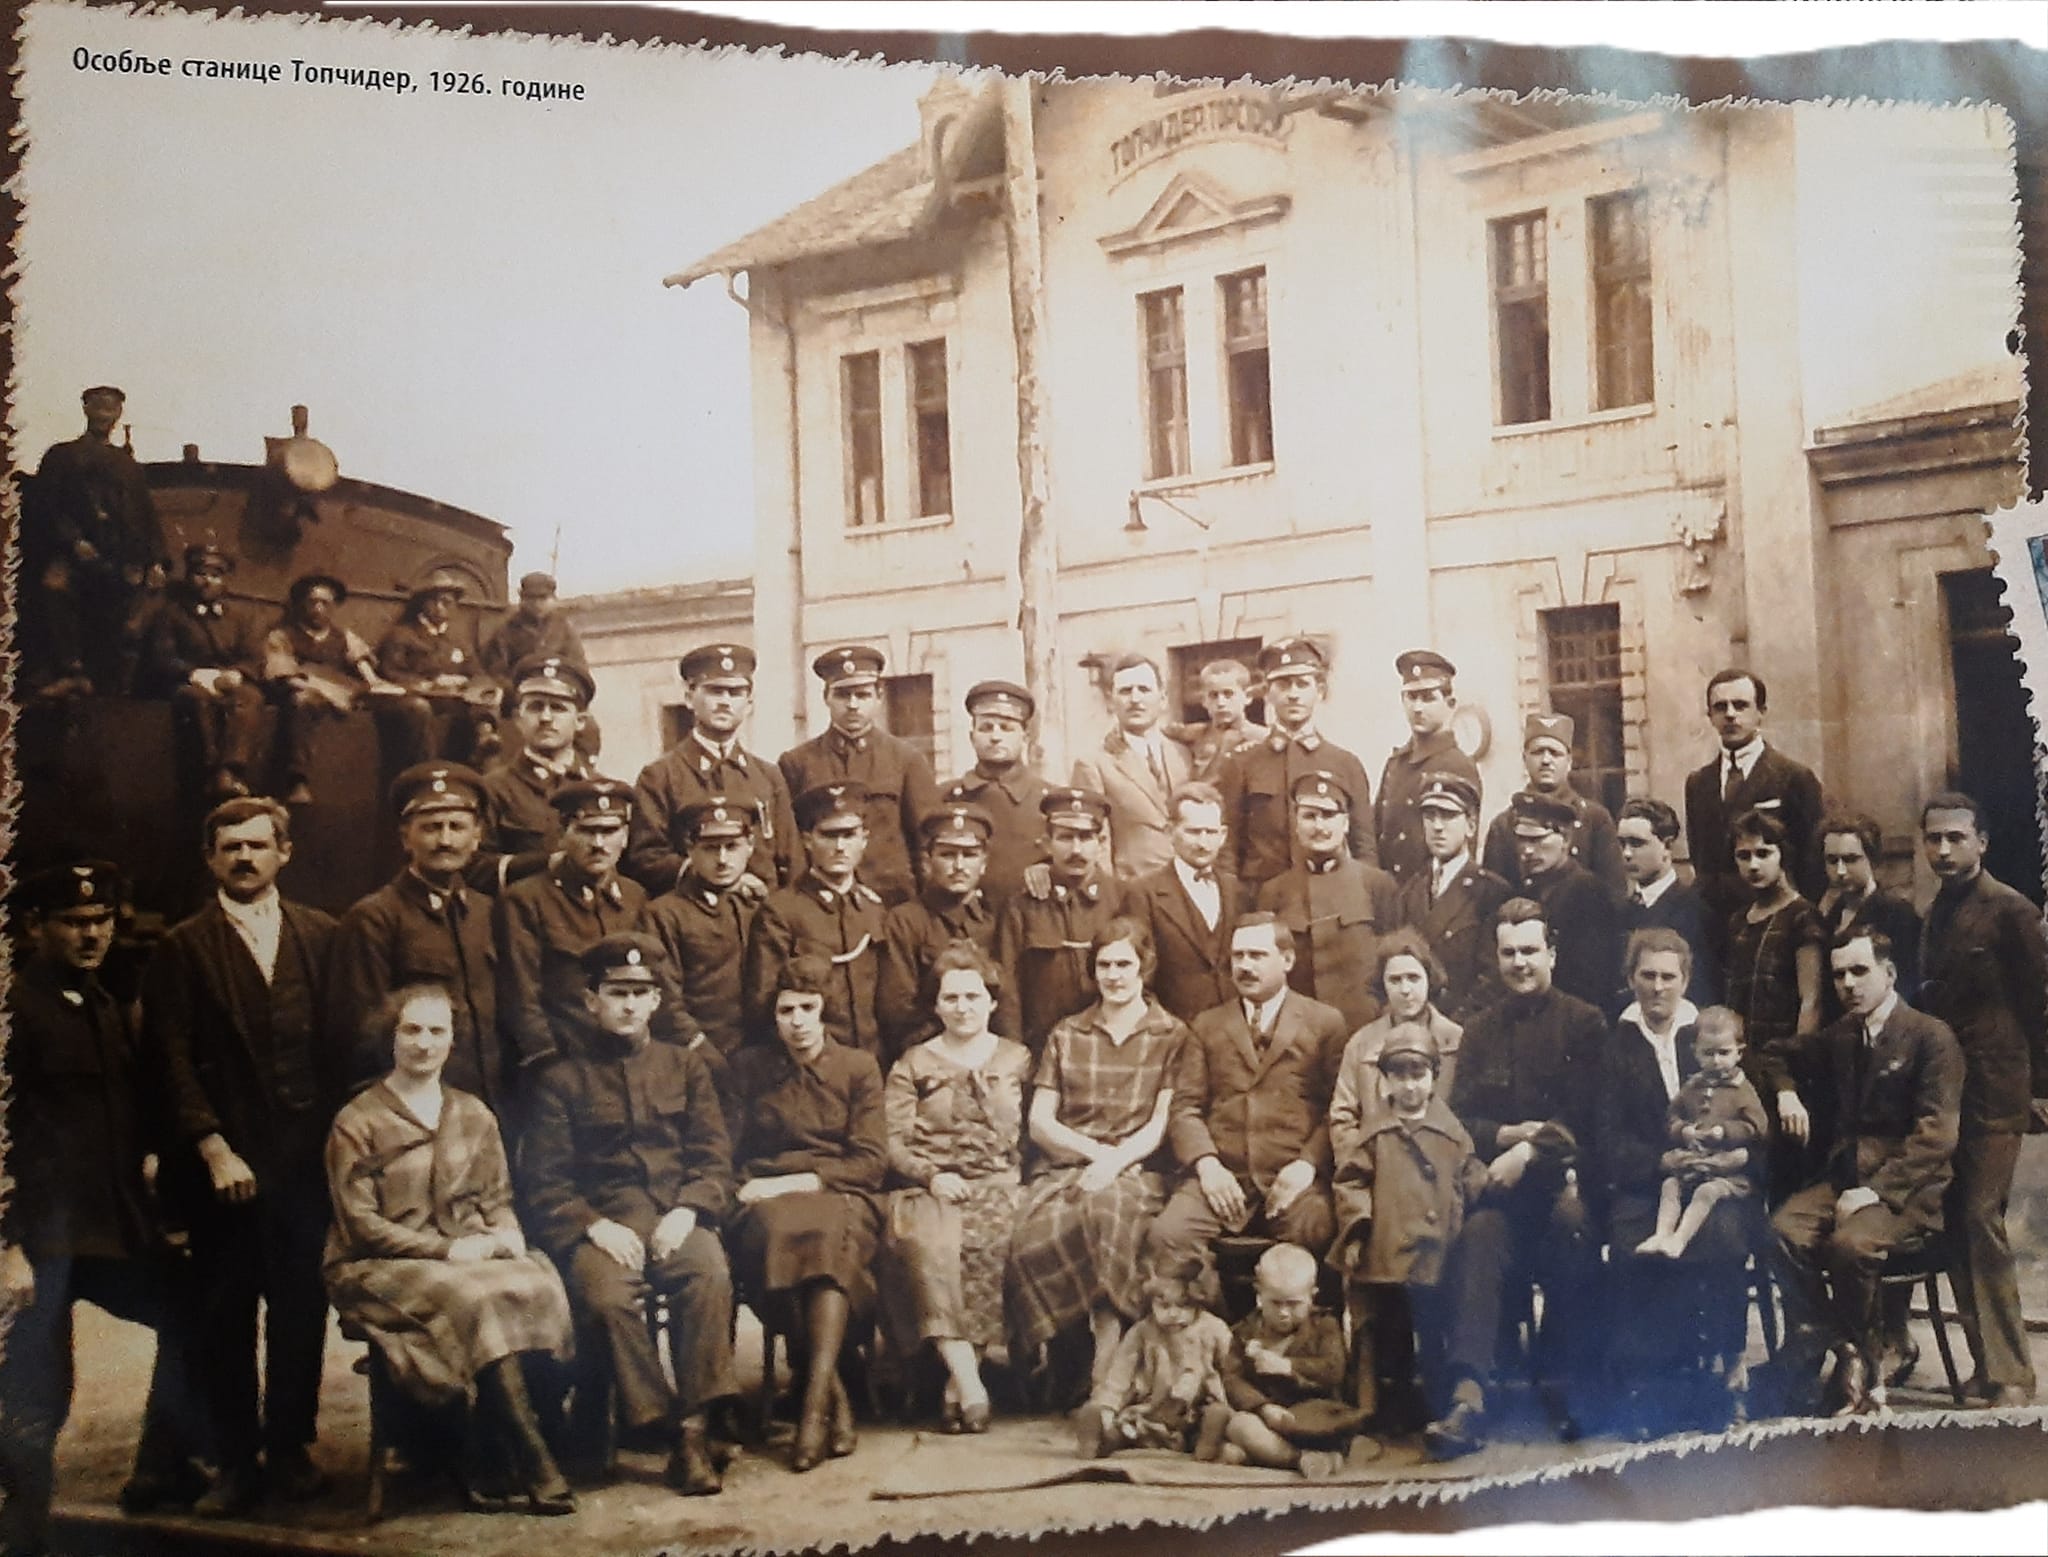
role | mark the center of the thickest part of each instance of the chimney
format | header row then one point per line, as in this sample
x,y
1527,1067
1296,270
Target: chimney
x,y
939,112
191,454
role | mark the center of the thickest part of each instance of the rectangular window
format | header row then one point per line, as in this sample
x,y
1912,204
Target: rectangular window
x,y
1585,682
860,380
1248,370
1624,372
931,429
907,713
1166,383
1521,316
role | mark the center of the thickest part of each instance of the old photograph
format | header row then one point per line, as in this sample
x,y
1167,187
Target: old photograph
x,y
766,802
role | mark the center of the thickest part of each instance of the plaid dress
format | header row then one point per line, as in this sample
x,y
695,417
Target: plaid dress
x,y
1069,1249
1763,981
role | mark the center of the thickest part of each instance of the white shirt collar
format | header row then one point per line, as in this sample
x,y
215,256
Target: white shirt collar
x,y
723,750
263,911
1743,757
1444,872
1263,1017
1874,1023
1664,1046
1648,895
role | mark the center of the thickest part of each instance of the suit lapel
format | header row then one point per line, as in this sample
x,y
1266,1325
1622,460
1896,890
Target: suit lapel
x,y
1241,1035
1137,771
227,965
1286,1027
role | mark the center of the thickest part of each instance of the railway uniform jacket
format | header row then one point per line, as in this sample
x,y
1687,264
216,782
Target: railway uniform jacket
x,y
1208,748
1011,800
1458,924
1776,784
705,934
1338,917
1138,811
900,792
1042,948
413,656
1397,820
811,919
1257,784
1984,973
522,828
1594,843
187,635
1258,1110
687,772
913,935
1194,961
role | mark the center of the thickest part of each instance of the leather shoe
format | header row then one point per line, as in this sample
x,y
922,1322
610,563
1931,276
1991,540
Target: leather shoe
x,y
809,1447
2008,1397
1456,1433
975,1418
293,1475
233,1494
843,1440
1898,1363
951,1418
551,1502
146,1492
690,1470
1852,1383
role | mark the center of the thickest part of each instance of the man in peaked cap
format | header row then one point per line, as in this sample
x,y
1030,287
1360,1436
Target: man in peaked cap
x,y
710,760
1003,783
79,1225
1338,907
831,912
1042,943
424,924
705,922
424,652
954,841
1258,781
631,1211
546,922
1137,768
522,827
1583,915
1428,701
1590,839
205,654
314,669
1453,900
894,777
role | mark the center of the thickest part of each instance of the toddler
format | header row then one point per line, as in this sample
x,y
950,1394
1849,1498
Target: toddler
x,y
1164,1375
1285,1376
1716,1122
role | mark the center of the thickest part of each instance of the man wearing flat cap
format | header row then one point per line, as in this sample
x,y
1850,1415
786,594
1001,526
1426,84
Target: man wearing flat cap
x,y
1338,908
832,913
89,540
314,669
537,630
425,924
521,825
1137,768
1042,943
205,654
1003,783
80,1225
894,778
705,922
1454,899
1258,781
1590,839
1428,702
1583,915
546,922
424,652
952,907
710,760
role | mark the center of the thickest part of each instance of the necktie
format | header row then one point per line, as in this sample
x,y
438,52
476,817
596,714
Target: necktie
x,y
1158,768
1729,779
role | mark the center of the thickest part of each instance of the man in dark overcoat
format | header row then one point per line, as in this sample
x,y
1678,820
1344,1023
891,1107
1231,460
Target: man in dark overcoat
x,y
1452,901
1042,943
521,825
1429,702
1337,907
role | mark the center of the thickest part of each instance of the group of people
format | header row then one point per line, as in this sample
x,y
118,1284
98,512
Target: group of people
x,y
1023,1071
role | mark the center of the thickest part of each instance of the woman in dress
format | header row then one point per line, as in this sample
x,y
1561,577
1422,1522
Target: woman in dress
x,y
1409,976
426,1255
811,1148
955,1105
1103,1088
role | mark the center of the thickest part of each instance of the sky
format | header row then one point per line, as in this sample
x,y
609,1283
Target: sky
x,y
464,290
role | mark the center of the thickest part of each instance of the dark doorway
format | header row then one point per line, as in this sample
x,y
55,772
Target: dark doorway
x,y
907,713
1994,735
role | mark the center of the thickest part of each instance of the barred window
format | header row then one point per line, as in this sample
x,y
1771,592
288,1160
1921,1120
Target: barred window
x,y
931,428
1584,644
1248,371
1521,313
860,378
1624,370
1163,318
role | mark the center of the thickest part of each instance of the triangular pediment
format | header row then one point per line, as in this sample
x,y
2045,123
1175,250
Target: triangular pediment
x,y
1191,206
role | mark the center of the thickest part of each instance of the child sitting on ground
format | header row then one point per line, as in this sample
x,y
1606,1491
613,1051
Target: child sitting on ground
x,y
1285,1376
1717,1122
1164,1375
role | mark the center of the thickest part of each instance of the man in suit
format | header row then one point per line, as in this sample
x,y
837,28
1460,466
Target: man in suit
x,y
1851,845
1648,833
1251,1109
1137,769
1749,773
1583,915
1428,701
1003,784
1985,973
1899,1076
1453,902
952,907
1190,908
719,683
1337,907
205,654
891,774
1042,943
1589,838
1258,780
234,1002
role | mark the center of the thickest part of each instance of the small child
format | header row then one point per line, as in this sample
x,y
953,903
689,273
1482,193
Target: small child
x,y
1164,1375
1285,1375
1716,1121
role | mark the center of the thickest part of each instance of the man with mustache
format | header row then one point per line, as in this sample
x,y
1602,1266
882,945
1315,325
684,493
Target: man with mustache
x,y
952,907
522,826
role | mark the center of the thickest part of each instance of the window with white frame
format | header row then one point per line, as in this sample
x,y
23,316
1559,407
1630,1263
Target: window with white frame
x,y
1624,372
1521,316
931,427
1248,381
860,381
896,433
1163,316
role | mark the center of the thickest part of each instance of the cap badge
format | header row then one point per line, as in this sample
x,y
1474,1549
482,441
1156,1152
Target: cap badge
x,y
633,956
725,662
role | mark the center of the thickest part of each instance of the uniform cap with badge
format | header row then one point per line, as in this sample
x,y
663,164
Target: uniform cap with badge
x,y
852,664
1448,792
1423,669
717,816
626,958
1321,791
1075,807
603,801
821,802
64,888
202,553
1001,697
1536,815
437,786
555,676
1292,657
718,662
958,822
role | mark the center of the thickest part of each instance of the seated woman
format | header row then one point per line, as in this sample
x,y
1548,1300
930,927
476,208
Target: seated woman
x,y
955,1105
1409,977
426,1256
1104,1086
811,1146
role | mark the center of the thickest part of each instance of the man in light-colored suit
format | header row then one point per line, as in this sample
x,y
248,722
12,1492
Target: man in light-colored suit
x,y
1138,769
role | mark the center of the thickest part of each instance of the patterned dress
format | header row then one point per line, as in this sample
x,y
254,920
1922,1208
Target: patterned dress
x,y
1763,984
1070,1248
945,1118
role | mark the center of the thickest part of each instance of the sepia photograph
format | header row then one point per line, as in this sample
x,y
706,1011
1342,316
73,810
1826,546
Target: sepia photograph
x,y
765,801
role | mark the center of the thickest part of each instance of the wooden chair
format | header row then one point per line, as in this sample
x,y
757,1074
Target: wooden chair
x,y
1923,1265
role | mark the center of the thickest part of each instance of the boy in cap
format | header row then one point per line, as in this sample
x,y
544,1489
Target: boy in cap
x,y
1428,702
1003,784
315,669
423,654
1453,901
705,922
952,907
710,760
424,925
831,913
550,695
630,1210
80,1224
1338,907
1042,943
1583,914
1258,781
205,654
895,781
1589,837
